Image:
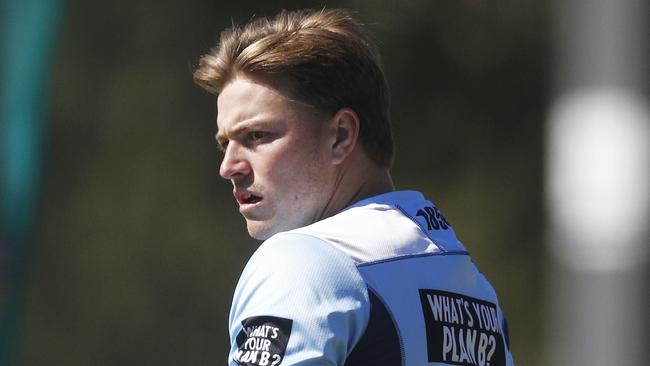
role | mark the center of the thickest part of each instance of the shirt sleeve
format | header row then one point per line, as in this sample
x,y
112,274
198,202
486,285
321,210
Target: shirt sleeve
x,y
299,301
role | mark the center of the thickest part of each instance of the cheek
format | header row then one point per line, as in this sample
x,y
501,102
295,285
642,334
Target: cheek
x,y
300,171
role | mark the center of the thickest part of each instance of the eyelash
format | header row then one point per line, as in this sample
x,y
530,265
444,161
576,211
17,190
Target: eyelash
x,y
252,137
257,135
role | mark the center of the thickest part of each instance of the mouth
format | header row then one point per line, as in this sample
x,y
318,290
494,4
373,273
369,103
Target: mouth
x,y
247,198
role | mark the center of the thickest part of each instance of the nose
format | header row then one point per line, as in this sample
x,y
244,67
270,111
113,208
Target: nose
x,y
234,164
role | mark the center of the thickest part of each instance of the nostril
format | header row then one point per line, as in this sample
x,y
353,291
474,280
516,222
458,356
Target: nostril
x,y
230,169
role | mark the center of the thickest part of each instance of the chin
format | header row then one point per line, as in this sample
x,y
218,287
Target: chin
x,y
261,236
262,230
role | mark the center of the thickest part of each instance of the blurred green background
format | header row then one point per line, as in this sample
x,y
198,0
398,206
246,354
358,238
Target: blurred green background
x,y
138,242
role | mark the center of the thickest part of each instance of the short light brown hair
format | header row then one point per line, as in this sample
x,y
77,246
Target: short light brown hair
x,y
328,59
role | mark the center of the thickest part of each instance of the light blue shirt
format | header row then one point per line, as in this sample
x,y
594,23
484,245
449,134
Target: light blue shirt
x,y
384,282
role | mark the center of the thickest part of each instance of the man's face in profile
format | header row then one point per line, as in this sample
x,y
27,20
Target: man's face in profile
x,y
275,155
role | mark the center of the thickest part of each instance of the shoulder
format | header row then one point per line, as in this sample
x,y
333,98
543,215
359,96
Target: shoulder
x,y
308,292
290,271
380,228
290,254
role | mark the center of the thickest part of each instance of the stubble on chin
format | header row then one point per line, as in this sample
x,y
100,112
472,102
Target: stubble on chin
x,y
262,230
259,232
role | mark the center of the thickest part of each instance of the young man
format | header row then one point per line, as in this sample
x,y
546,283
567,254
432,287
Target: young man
x,y
351,272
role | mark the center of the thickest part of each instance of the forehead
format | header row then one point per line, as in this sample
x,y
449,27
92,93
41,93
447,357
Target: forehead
x,y
245,98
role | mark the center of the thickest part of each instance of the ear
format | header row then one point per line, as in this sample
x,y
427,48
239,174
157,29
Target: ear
x,y
345,125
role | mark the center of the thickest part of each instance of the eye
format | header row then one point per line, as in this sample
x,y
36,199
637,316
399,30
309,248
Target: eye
x,y
257,135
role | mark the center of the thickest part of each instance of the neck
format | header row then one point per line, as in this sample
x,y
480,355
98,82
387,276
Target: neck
x,y
379,183
355,182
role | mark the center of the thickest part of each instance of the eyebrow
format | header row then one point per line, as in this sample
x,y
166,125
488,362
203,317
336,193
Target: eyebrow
x,y
241,126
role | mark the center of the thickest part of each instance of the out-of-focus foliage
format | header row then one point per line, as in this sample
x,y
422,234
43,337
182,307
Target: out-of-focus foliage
x,y
139,243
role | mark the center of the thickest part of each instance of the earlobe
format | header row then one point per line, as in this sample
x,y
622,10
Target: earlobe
x,y
347,125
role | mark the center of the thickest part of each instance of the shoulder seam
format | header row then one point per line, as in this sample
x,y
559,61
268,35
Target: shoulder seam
x,y
418,255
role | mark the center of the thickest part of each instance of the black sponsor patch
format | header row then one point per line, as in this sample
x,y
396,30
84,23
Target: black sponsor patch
x,y
263,341
462,330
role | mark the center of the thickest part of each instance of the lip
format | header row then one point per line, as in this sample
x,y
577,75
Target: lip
x,y
241,196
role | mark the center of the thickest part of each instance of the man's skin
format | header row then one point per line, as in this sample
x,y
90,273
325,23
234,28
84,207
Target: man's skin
x,y
290,164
